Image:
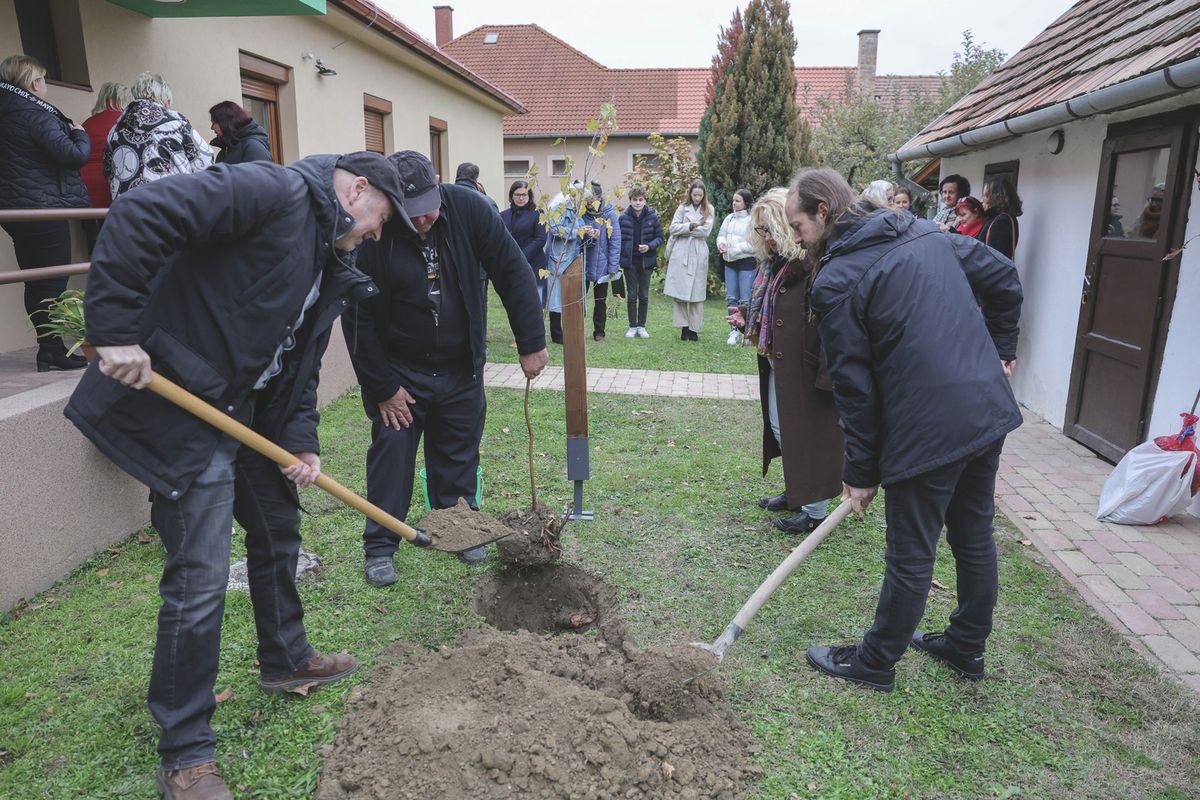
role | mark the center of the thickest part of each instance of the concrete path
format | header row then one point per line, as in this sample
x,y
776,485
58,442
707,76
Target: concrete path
x,y
1143,579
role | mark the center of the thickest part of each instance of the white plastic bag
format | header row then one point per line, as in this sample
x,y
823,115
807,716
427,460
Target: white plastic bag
x,y
1147,485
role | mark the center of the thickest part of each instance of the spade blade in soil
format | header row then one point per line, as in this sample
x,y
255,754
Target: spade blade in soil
x,y
466,540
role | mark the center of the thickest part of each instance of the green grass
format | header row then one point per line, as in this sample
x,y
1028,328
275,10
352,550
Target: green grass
x,y
662,351
1068,710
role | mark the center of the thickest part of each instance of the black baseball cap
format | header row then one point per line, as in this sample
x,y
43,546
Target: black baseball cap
x,y
418,181
381,174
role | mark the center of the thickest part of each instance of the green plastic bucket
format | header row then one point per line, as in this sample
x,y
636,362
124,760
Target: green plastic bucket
x,y
478,488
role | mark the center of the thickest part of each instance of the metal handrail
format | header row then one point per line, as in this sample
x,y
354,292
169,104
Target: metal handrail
x,y
50,214
47,215
42,273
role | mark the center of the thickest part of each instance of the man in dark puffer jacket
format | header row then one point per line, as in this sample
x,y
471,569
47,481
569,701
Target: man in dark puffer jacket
x,y
229,279
41,152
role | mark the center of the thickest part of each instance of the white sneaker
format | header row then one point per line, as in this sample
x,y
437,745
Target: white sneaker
x,y
735,337
632,332
642,334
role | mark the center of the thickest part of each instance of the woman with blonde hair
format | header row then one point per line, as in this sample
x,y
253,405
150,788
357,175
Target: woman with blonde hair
x,y
800,421
110,102
151,140
687,261
41,152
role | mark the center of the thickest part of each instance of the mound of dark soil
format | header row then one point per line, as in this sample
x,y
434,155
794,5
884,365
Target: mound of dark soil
x,y
461,527
537,537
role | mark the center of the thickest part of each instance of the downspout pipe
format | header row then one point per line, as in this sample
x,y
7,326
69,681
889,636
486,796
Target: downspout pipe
x,y
1157,85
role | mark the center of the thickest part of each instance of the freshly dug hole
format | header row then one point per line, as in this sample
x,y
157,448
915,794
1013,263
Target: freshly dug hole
x,y
537,537
550,599
461,527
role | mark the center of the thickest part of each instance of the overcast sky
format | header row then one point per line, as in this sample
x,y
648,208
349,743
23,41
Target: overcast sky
x,y
918,37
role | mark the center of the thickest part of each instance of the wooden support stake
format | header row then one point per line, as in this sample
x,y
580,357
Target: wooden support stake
x,y
575,383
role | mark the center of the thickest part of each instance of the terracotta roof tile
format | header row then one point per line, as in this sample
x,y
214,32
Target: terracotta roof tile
x,y
1096,43
535,67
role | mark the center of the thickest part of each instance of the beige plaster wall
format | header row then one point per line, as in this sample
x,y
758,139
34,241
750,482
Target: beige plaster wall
x,y
199,58
609,170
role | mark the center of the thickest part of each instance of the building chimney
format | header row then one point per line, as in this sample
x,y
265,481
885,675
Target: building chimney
x,y
443,18
868,50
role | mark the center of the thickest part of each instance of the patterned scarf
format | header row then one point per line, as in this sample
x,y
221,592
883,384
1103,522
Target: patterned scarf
x,y
150,141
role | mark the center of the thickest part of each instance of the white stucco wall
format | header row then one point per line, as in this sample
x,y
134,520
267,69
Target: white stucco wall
x,y
1059,194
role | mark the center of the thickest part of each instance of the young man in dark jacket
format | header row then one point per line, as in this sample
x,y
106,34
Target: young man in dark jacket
x,y
418,348
920,381
226,281
641,234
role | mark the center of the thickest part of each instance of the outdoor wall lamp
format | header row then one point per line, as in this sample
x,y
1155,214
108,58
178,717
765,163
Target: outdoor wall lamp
x,y
323,69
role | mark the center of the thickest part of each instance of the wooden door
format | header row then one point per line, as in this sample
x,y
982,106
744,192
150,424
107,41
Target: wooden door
x,y
1128,287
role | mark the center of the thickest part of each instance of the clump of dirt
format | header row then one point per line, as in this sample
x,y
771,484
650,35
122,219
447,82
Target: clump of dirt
x,y
673,684
519,715
461,527
522,714
552,599
537,537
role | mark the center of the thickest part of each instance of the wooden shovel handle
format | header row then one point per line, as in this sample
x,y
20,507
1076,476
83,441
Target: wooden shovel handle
x,y
181,397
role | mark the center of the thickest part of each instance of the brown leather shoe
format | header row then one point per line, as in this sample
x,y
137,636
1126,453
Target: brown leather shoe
x,y
320,669
193,783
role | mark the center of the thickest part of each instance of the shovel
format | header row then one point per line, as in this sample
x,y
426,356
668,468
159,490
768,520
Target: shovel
x,y
734,629
181,397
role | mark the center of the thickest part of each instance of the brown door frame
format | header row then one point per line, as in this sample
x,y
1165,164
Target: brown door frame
x,y
1180,171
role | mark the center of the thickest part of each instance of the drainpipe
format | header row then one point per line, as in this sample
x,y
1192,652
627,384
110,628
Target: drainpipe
x,y
1157,85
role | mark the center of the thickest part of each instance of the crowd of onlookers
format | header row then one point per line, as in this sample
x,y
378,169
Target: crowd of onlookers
x,y
132,137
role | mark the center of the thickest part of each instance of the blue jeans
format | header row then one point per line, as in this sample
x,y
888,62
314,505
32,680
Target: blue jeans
x,y
196,531
819,509
738,283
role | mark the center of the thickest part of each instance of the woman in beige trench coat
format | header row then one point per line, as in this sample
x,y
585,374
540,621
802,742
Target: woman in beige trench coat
x,y
687,263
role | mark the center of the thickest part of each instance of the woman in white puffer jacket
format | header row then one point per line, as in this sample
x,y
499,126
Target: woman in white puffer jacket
x,y
733,240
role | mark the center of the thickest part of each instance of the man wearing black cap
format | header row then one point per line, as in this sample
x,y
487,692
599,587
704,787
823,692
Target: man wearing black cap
x,y
418,348
227,281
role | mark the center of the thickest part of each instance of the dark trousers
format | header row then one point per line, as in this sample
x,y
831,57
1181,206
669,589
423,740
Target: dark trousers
x,y
196,531
637,294
41,244
556,329
599,306
449,410
961,496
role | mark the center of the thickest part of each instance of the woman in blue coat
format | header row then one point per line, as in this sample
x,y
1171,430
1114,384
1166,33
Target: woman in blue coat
x,y
562,247
601,253
41,152
521,219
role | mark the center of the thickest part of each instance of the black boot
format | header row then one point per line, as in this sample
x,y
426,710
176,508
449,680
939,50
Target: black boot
x,y
683,334
844,663
799,523
52,354
936,645
776,503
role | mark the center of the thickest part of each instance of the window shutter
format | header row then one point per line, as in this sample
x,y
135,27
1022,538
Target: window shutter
x,y
373,122
254,87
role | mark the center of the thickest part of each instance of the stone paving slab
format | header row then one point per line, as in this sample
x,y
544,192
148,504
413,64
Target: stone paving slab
x,y
1143,579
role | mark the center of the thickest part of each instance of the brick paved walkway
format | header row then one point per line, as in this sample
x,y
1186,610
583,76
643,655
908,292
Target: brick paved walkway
x,y
1143,579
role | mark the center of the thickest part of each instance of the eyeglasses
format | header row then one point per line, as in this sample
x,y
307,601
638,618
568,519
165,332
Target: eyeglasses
x,y
762,230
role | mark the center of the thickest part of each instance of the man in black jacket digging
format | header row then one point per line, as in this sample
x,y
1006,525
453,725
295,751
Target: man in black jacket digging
x,y
418,348
919,377
227,281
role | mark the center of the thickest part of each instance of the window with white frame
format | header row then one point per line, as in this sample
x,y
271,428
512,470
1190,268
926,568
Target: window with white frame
x,y
558,167
517,167
647,157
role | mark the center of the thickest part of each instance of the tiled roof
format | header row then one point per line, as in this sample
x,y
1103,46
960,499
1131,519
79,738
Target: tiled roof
x,y
1096,43
386,24
562,88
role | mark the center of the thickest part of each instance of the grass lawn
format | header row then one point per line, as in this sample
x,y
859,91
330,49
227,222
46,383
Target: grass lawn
x,y
1068,709
663,350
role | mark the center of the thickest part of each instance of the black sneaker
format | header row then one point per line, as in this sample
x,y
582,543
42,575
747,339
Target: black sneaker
x,y
936,645
843,662
380,571
776,503
798,523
